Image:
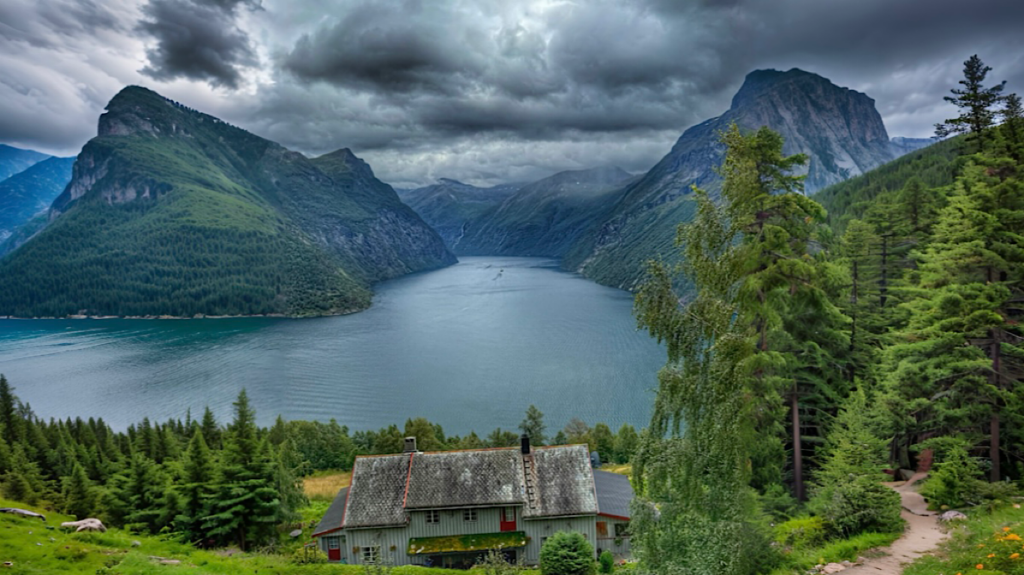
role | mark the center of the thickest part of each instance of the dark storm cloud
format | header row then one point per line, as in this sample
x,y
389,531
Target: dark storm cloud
x,y
197,39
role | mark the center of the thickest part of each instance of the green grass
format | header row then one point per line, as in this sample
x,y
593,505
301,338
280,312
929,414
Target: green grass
x,y
973,540
35,549
802,560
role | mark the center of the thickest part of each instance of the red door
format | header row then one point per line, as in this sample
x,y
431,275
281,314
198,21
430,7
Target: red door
x,y
508,518
333,549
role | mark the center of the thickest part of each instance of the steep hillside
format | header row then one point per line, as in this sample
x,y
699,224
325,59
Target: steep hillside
x,y
173,212
31,191
934,165
546,217
14,160
449,205
838,128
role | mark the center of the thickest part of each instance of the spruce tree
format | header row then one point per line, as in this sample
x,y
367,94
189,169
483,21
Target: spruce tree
x,y
10,423
1013,126
197,488
80,496
533,425
975,102
245,508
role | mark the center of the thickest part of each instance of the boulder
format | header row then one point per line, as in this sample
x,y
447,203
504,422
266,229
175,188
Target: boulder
x,y
952,515
22,512
832,568
90,524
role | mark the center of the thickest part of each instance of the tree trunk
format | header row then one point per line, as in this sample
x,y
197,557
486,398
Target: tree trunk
x,y
798,456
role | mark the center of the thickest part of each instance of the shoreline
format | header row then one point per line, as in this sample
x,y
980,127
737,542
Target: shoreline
x,y
183,317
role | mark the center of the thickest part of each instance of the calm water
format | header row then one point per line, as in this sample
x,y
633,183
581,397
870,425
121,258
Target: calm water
x,y
470,347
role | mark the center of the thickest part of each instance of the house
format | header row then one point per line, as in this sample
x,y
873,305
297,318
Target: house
x,y
449,508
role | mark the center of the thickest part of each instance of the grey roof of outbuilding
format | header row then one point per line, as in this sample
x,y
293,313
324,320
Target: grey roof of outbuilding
x,y
565,482
335,513
384,487
614,493
465,478
377,492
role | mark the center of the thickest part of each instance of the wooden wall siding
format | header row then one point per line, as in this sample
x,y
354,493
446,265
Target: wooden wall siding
x,y
607,542
538,529
346,551
397,537
488,520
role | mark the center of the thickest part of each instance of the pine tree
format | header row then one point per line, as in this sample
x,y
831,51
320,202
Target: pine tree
x,y
197,488
80,496
533,425
10,423
211,430
975,102
1013,126
245,508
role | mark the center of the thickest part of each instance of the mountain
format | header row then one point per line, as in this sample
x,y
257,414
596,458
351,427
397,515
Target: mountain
x,y
935,166
14,160
449,205
173,212
30,192
546,217
901,145
838,128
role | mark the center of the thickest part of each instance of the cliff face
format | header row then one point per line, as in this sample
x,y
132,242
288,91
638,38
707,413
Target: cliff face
x,y
838,128
240,224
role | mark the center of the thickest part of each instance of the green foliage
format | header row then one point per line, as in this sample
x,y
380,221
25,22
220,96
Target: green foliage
x,y
954,482
801,533
859,505
533,425
606,562
567,553
975,102
494,563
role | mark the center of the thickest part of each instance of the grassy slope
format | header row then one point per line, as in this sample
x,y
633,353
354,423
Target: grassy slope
x,y
27,543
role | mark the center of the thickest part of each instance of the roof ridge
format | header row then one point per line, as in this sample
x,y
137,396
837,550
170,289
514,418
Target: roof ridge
x,y
408,478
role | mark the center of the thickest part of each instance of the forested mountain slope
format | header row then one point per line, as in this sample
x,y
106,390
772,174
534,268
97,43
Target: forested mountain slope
x,y
174,212
450,205
30,192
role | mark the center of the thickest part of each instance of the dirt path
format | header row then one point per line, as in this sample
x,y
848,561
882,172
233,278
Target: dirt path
x,y
921,537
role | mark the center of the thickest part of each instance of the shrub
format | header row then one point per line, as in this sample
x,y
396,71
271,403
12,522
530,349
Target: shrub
x,y
495,563
859,505
567,553
801,532
955,481
606,561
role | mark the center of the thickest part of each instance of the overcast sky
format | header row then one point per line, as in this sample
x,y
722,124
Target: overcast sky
x,y
482,91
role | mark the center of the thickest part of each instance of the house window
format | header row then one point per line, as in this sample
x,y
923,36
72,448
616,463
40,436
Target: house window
x,y
433,516
621,529
469,515
371,554
333,543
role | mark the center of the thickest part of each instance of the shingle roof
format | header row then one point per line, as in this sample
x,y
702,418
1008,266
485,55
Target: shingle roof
x,y
335,513
377,492
614,493
385,487
465,478
565,482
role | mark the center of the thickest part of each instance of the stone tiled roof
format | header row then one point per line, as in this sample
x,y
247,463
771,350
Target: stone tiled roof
x,y
565,482
335,513
614,493
385,488
466,478
377,492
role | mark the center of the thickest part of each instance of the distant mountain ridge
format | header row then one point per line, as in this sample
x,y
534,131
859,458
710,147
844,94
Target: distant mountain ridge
x,y
31,191
174,212
14,160
450,205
